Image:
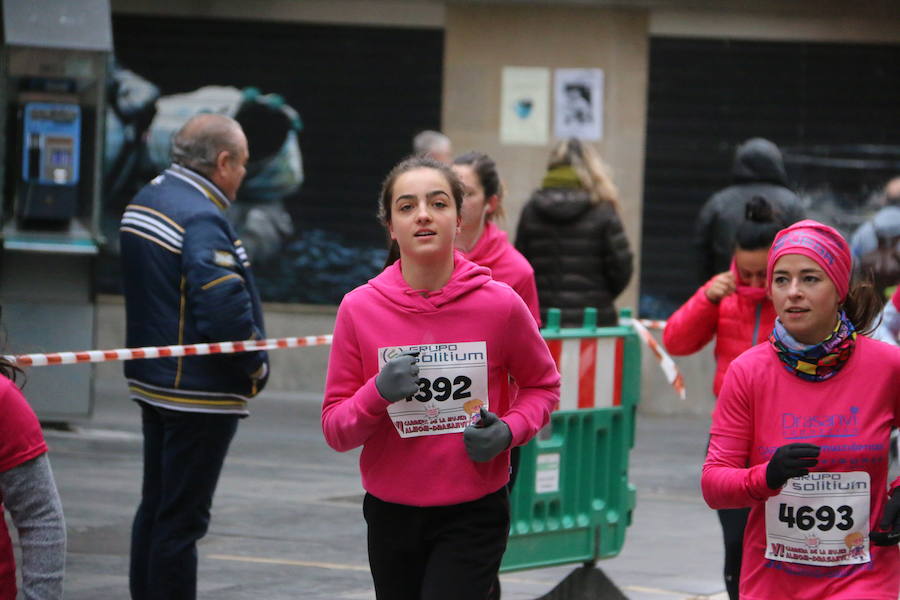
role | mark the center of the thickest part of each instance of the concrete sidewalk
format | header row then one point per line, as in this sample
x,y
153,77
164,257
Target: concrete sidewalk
x,y
287,520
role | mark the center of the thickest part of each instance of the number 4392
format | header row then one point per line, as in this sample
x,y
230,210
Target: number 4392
x,y
442,389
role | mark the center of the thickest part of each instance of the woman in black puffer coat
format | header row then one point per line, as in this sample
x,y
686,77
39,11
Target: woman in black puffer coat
x,y
571,233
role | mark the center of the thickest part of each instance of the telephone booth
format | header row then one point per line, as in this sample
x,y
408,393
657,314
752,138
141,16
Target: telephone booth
x,y
53,71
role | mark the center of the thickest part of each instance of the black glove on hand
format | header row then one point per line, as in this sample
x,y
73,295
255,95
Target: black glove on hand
x,y
397,379
889,526
791,460
487,438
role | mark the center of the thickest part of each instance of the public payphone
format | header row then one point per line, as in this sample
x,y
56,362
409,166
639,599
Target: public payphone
x,y
53,65
51,140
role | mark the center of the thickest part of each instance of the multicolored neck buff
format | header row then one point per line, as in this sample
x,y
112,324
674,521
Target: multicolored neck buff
x,y
753,294
818,362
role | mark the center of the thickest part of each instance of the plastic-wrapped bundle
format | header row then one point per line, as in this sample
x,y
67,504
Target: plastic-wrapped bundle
x,y
275,169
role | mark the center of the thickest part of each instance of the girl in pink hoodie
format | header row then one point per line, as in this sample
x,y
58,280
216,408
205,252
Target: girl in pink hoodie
x,y
418,375
800,434
479,239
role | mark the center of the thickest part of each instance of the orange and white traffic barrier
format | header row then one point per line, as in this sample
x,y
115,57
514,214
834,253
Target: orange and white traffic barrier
x,y
673,375
590,371
94,356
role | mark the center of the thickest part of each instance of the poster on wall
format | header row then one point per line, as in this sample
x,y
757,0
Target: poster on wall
x,y
524,105
578,104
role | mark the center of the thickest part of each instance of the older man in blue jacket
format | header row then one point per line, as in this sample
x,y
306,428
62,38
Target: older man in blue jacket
x,y
187,279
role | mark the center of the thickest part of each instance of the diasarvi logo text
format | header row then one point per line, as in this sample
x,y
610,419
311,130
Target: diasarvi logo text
x,y
795,426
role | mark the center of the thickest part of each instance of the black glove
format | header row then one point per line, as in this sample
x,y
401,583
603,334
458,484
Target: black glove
x,y
889,526
791,460
487,438
397,379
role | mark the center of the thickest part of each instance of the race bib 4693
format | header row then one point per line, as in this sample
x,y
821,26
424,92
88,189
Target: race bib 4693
x,y
820,519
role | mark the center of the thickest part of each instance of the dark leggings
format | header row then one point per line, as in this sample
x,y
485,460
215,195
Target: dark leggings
x,y
436,552
514,454
733,521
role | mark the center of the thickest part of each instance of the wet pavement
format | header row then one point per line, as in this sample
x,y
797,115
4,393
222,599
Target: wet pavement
x,y
287,517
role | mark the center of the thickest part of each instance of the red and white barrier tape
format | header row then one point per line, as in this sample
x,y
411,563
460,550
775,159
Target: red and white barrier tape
x,y
95,356
92,356
673,376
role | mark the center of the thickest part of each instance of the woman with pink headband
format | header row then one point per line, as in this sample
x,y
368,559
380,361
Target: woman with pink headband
x,y
800,434
733,308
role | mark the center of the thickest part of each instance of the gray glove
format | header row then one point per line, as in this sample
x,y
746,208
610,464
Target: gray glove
x,y
398,377
487,438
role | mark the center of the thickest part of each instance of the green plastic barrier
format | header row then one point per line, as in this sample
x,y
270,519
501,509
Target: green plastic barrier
x,y
572,501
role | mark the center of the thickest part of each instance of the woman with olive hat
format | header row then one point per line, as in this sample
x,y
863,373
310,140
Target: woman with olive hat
x,y
800,434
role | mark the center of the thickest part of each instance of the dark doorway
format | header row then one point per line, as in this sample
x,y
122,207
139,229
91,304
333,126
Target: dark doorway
x,y
832,108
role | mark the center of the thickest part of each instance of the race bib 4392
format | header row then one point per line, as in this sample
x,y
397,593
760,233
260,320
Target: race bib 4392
x,y
452,387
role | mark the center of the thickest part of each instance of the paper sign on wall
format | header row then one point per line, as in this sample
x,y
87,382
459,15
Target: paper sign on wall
x,y
578,103
524,105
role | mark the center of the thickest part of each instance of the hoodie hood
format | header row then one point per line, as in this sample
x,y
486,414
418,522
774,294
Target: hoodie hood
x,y
466,277
490,247
562,204
753,294
758,159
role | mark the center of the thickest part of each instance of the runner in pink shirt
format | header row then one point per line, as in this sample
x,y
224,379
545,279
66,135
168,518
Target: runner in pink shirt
x,y
479,239
418,376
800,434
485,244
734,308
28,494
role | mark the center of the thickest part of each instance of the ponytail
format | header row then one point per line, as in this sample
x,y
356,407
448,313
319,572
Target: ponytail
x,y
863,306
9,369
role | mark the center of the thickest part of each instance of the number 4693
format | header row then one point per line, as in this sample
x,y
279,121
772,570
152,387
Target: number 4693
x,y
824,518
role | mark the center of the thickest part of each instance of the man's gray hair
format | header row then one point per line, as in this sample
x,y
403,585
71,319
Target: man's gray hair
x,y
428,141
199,141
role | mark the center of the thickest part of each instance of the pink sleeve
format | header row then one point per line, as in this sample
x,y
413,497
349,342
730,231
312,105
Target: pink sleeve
x,y
528,291
896,483
21,438
692,326
896,421
532,366
726,481
353,409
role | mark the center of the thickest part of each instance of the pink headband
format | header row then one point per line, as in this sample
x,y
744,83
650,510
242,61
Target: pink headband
x,y
819,242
